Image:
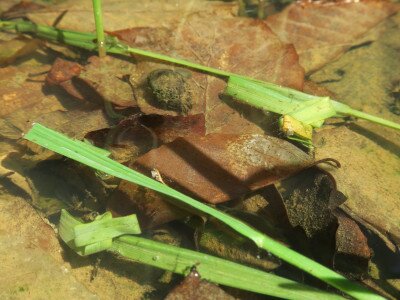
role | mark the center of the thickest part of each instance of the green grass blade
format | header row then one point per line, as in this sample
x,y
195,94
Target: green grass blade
x,y
98,19
67,234
61,144
99,230
312,111
264,90
343,109
214,269
180,260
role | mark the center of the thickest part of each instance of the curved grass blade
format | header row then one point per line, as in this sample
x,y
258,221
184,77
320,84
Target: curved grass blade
x,y
259,95
63,145
180,260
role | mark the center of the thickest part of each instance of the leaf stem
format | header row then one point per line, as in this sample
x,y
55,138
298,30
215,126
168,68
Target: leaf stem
x,y
343,109
118,235
98,18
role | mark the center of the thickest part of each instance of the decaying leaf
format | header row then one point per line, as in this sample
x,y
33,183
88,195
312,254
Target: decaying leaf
x,y
100,80
212,41
310,199
25,100
312,204
368,177
321,31
120,14
223,243
20,9
168,128
352,250
193,287
152,209
366,78
15,48
109,78
62,73
220,167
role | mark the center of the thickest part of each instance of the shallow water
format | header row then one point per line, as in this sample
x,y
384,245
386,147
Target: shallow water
x,y
36,184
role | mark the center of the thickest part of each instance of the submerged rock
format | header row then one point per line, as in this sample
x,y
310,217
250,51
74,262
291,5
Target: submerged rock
x,y
170,90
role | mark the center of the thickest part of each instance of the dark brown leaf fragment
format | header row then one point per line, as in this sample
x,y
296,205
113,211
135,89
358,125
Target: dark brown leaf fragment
x,y
151,208
193,287
168,128
352,250
61,74
309,198
109,77
220,167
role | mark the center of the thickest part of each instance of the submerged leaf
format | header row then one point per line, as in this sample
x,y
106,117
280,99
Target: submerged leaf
x,y
24,100
322,31
193,287
369,176
211,41
352,250
120,14
220,167
16,48
367,79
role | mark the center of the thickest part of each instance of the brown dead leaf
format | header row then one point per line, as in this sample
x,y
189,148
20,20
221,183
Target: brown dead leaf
x,y
20,9
312,204
7,4
61,73
220,167
109,78
151,208
18,47
310,198
322,31
120,14
168,128
19,93
193,287
352,250
368,176
213,41
100,80
25,99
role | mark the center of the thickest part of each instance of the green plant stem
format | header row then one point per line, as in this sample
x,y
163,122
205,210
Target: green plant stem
x,y
118,235
213,269
268,90
75,150
98,18
343,109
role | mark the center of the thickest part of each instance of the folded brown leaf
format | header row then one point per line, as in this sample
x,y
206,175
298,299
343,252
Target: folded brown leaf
x,y
220,167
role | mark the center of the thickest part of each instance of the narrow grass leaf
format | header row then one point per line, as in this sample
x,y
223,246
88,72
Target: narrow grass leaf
x,y
217,270
99,230
180,261
63,145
